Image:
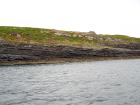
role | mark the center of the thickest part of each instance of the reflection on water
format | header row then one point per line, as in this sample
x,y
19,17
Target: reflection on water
x,y
115,82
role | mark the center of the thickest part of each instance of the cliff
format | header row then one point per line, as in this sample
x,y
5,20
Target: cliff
x,y
34,44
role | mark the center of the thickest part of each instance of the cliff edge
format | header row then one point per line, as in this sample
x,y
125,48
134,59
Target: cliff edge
x,y
34,44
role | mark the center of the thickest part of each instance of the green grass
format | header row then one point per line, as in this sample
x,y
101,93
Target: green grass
x,y
48,37
42,36
124,38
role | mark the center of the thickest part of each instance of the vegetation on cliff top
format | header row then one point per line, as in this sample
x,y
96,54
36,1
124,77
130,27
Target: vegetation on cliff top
x,y
41,36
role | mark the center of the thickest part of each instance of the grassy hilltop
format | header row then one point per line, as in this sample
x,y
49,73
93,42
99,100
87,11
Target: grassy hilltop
x,y
41,36
24,45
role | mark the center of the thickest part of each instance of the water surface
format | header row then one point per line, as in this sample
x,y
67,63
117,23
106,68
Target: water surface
x,y
113,82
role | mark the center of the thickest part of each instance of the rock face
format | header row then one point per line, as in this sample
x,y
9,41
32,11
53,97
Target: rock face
x,y
24,52
10,57
132,46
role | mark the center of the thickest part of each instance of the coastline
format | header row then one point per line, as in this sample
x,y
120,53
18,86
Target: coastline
x,y
64,60
23,46
36,54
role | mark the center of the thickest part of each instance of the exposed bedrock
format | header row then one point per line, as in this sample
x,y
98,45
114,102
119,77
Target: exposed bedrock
x,y
22,52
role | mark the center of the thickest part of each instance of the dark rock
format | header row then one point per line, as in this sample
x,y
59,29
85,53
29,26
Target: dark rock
x,y
9,57
132,46
22,52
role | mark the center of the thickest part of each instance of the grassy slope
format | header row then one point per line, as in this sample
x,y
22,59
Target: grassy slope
x,y
48,37
124,38
42,36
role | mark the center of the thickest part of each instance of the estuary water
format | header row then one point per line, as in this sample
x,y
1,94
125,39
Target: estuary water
x,y
111,82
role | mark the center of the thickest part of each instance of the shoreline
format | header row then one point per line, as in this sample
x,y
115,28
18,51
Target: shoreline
x,y
64,60
20,46
37,54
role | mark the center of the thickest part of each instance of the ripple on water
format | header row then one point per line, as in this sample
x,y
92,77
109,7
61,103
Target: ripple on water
x,y
89,83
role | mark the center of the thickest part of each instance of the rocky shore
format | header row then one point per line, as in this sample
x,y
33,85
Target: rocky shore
x,y
37,53
36,45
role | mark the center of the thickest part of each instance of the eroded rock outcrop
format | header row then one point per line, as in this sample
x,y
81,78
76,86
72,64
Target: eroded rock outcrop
x,y
132,46
24,52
